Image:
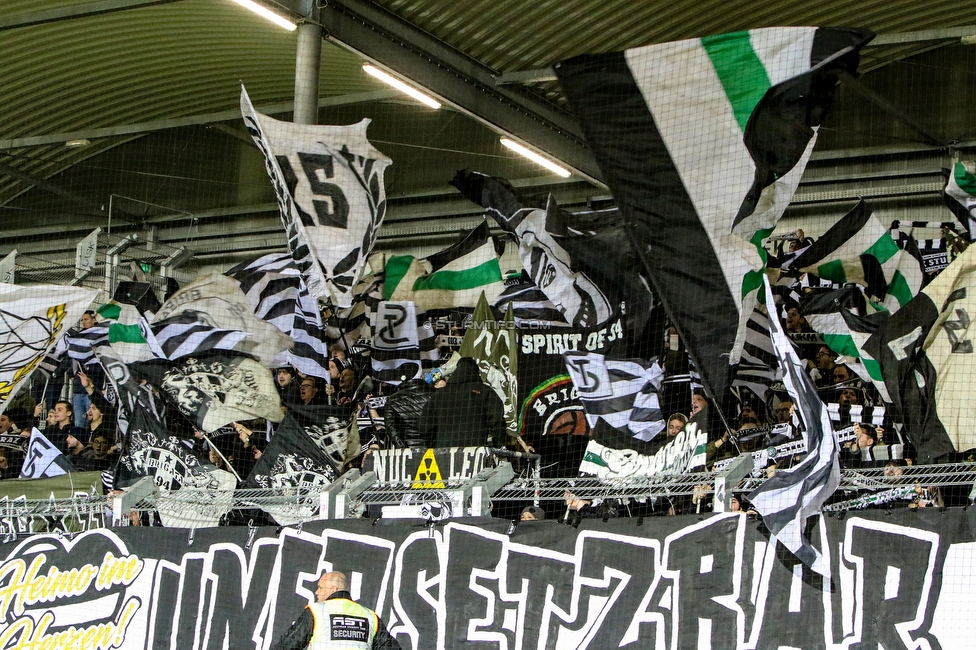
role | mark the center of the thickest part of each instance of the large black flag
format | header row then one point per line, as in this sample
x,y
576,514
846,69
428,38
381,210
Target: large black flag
x,y
306,452
697,138
216,389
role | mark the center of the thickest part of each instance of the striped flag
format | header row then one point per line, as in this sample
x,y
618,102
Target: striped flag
x,y
792,495
188,333
530,306
624,394
79,343
278,295
700,138
860,249
329,184
757,369
960,195
453,278
214,314
395,355
577,298
841,319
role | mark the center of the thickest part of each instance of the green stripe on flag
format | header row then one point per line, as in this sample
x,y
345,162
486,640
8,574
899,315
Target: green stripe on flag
x,y
754,279
833,271
110,311
396,267
118,333
842,344
883,249
590,457
479,276
873,368
742,74
965,180
900,289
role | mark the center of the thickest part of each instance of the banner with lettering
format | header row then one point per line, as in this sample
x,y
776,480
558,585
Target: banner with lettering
x,y
551,416
427,468
898,580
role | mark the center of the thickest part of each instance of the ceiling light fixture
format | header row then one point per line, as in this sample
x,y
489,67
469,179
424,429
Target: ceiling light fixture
x,y
266,13
83,142
399,85
536,158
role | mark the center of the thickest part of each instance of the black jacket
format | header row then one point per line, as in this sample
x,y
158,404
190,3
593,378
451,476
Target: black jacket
x,y
299,634
403,411
465,413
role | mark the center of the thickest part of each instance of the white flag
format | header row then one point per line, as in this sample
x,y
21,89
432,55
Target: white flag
x,y
32,320
329,183
43,459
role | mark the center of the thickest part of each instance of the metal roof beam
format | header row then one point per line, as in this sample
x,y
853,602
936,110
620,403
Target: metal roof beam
x,y
193,120
48,186
902,38
76,11
382,37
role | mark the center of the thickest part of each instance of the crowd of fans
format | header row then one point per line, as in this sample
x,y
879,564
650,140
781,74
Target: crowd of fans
x,y
451,407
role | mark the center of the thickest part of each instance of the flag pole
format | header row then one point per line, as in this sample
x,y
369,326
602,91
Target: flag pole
x,y
223,458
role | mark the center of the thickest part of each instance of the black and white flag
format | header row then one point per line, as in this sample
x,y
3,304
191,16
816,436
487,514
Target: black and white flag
x,y
329,184
213,314
792,495
216,389
43,459
306,452
578,299
530,306
624,394
395,355
278,295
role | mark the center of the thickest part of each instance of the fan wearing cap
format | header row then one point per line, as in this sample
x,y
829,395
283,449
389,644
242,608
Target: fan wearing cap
x,y
532,513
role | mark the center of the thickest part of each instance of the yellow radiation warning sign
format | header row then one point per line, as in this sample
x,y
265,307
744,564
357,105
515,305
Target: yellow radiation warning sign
x,y
428,474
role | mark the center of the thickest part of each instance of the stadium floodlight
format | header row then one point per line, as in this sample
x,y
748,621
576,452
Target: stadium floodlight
x,y
372,70
266,13
536,158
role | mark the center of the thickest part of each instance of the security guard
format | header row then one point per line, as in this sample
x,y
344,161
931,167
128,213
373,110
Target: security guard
x,y
336,622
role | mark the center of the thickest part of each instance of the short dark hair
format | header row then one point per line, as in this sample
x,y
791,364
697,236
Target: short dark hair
x,y
90,312
67,405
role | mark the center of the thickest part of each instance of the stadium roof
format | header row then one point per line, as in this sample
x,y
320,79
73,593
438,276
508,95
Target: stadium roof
x,y
148,91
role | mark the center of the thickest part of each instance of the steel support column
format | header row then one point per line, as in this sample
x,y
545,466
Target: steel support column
x,y
308,57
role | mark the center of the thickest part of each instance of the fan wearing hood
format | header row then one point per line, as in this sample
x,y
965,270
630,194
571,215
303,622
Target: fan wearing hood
x,y
465,413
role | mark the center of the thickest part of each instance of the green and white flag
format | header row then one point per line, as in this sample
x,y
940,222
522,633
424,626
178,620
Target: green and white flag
x,y
860,249
842,318
960,194
455,277
702,143
126,331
